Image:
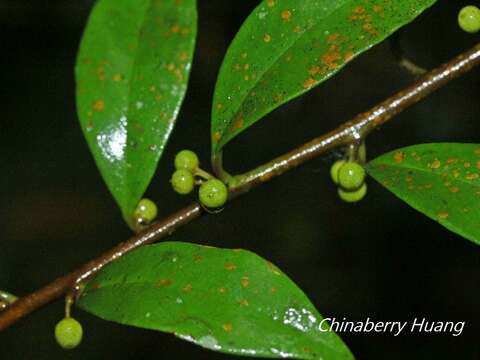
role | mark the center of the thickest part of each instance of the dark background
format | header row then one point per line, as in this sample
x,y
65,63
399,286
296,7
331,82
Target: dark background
x,y
378,258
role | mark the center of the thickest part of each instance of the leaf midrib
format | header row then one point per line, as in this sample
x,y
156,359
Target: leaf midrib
x,y
125,168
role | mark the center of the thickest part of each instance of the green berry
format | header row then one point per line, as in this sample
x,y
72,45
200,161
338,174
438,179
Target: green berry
x,y
68,333
469,19
186,159
351,176
334,170
146,210
213,193
353,196
182,181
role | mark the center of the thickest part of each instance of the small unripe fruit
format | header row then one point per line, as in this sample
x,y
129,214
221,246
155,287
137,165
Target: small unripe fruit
x,y
353,196
334,170
187,160
146,210
351,176
68,333
469,19
182,181
213,193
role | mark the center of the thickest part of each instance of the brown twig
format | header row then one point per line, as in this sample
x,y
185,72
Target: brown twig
x,y
352,131
66,283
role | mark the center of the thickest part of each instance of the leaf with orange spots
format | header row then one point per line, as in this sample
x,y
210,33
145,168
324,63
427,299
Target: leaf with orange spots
x,y
440,180
287,47
131,74
231,301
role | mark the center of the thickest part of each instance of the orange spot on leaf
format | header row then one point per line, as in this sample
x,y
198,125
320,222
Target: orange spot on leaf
x,y
117,77
244,302
309,83
164,283
359,10
286,15
237,124
229,266
95,286
101,73
227,327
332,37
443,215
398,157
314,70
348,56
436,164
378,9
99,105
330,59
297,29
277,98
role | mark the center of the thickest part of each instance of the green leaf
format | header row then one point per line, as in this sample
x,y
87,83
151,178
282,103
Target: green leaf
x,y
440,180
287,47
231,301
132,72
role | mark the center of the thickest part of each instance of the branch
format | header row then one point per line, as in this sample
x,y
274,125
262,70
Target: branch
x,y
27,304
351,131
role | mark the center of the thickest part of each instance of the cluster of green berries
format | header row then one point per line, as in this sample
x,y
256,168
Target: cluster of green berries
x,y
213,193
469,19
68,333
350,178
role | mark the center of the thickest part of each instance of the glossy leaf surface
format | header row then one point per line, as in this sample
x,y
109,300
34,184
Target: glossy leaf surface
x,y
132,72
231,301
287,47
440,180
